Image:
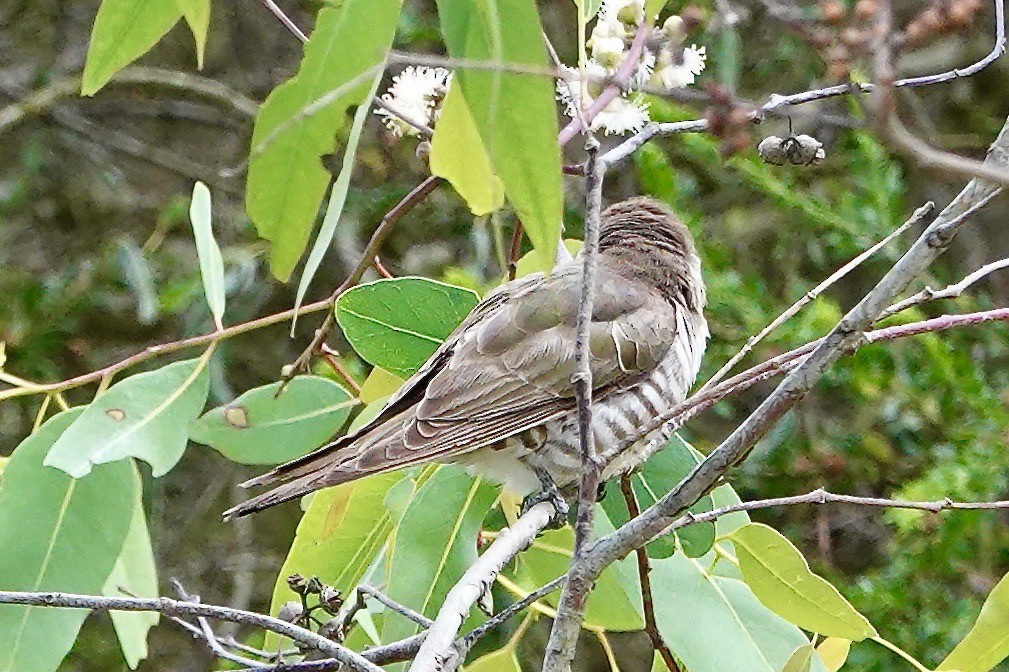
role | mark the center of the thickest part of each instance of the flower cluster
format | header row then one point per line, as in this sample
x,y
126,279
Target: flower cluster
x,y
416,95
665,64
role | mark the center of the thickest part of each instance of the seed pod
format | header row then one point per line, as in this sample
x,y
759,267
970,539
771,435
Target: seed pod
x,y
297,583
291,611
330,600
314,586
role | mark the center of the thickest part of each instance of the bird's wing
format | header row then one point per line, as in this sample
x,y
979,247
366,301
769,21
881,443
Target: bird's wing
x,y
506,369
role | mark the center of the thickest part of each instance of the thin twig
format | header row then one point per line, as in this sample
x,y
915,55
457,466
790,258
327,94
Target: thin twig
x,y
329,355
948,292
401,609
808,297
170,607
644,571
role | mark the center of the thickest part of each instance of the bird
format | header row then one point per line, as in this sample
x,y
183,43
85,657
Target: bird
x,y
497,395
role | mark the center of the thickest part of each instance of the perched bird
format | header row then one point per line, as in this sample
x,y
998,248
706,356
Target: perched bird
x,y
497,395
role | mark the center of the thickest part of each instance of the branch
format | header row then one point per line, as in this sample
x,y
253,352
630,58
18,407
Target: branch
x,y
821,496
806,298
437,652
948,292
796,385
179,608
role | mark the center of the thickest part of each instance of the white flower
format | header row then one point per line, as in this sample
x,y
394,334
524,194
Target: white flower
x,y
677,75
622,115
416,93
607,51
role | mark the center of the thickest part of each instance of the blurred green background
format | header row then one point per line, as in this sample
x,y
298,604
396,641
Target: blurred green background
x,y
97,262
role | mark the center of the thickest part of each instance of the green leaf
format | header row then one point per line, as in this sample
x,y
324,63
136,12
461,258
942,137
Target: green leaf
x,y
398,323
337,198
197,15
515,113
379,384
435,544
987,643
261,428
459,156
531,262
833,651
339,536
660,474
800,660
211,263
138,278
780,578
287,180
591,7
615,601
502,660
124,30
713,624
134,575
653,7
56,534
146,416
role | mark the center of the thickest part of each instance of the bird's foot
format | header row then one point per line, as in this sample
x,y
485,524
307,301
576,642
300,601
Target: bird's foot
x,y
550,494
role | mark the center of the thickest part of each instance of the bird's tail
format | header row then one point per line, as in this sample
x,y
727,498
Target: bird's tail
x,y
330,465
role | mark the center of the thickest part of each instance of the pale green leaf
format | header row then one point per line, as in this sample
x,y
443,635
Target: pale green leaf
x,y
379,383
653,7
138,278
660,474
780,577
298,123
502,660
337,198
459,156
615,601
800,660
987,642
515,114
398,323
532,262
833,651
339,536
197,15
56,534
435,543
368,413
211,263
146,416
590,8
134,575
713,624
262,428
124,30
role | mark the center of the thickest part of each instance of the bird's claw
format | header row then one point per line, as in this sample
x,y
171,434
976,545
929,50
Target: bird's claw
x,y
549,494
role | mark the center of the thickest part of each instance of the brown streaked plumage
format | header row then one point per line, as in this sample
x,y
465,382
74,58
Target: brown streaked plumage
x,y
497,395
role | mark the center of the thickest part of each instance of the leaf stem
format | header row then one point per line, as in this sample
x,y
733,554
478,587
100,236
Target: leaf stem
x,y
900,652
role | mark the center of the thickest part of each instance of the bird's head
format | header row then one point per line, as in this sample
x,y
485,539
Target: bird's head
x,y
643,239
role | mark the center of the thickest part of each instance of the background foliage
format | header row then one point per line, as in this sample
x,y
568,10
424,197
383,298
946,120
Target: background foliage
x,y
97,260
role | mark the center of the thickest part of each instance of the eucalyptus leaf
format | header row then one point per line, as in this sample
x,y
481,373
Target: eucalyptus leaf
x,y
515,114
713,624
146,416
800,660
197,15
833,651
502,660
134,575
987,642
138,277
300,118
780,577
435,543
398,323
379,384
532,262
337,198
124,30
339,536
56,534
261,427
211,263
459,156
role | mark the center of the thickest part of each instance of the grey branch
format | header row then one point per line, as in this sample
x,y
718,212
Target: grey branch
x,y
438,651
948,292
180,608
932,243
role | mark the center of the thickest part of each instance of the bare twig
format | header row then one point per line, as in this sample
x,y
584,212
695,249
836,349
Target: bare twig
x,y
806,298
644,571
437,651
330,356
948,292
821,496
286,20
401,609
180,608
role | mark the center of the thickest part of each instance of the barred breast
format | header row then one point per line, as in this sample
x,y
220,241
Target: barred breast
x,y
553,447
